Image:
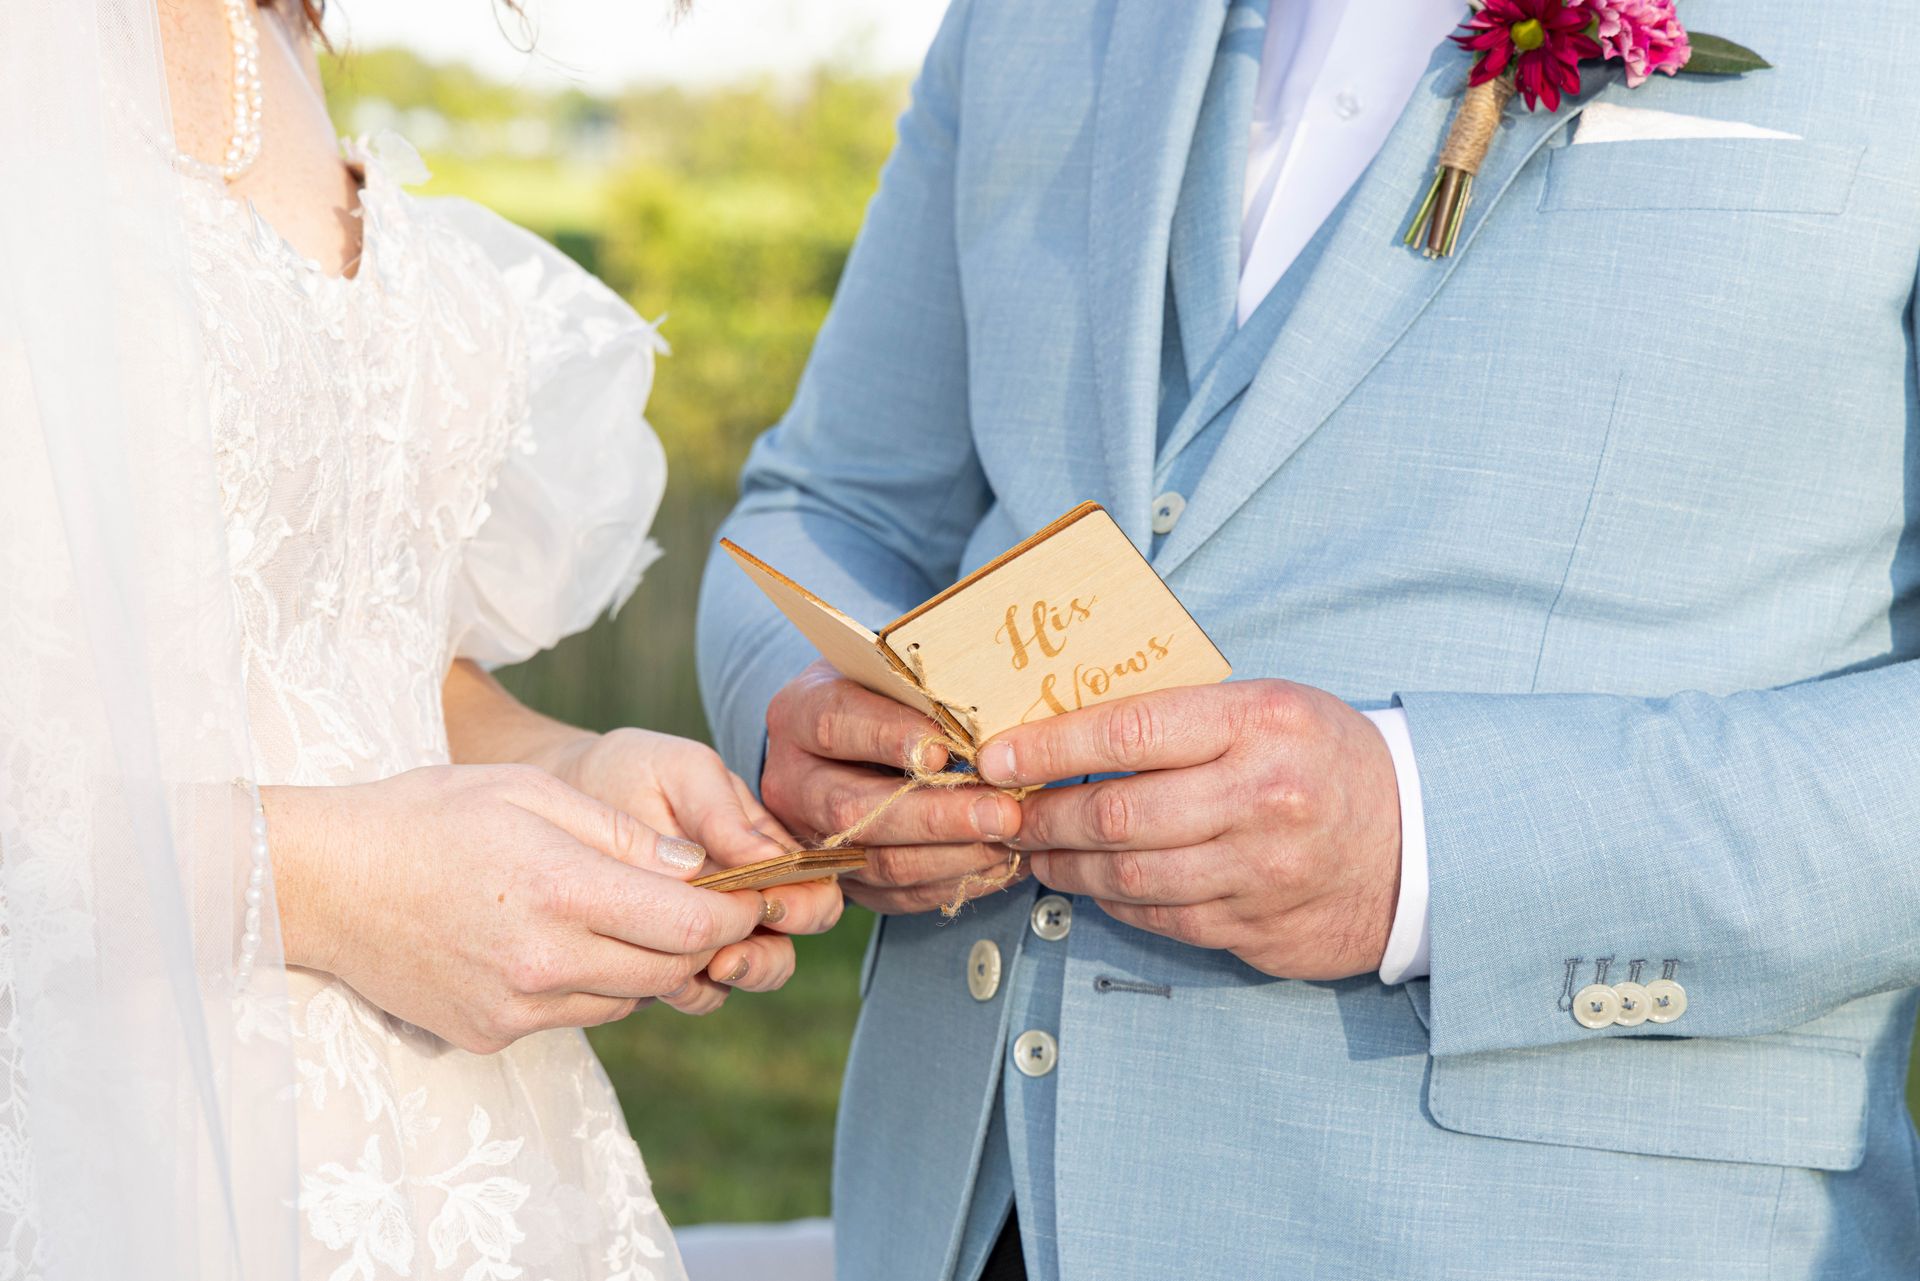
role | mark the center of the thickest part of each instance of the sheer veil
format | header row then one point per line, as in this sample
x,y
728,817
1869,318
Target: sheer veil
x,y
146,1105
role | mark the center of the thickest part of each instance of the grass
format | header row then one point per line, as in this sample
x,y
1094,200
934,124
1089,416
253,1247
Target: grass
x,y
735,1111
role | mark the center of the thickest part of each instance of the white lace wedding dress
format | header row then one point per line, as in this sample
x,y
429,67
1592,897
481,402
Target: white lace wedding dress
x,y
442,454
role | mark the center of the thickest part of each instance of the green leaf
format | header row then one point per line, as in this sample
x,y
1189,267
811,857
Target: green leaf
x,y
1715,56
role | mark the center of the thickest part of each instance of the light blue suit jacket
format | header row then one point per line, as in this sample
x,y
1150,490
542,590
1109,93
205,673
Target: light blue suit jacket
x,y
1622,504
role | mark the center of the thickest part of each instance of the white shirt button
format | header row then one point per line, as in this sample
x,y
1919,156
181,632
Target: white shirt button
x,y
1052,918
1035,1053
1596,1006
1166,512
1635,1004
1669,1000
983,970
1347,104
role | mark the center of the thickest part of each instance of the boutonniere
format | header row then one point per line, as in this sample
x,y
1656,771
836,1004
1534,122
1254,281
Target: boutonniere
x,y
1534,49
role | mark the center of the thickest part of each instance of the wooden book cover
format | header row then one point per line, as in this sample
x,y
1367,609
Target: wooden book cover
x,y
1071,617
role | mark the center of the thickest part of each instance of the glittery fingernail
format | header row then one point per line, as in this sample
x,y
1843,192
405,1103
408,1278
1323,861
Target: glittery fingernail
x,y
774,912
676,853
739,971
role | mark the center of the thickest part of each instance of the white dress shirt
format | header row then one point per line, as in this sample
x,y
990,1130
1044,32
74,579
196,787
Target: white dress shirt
x,y
1334,77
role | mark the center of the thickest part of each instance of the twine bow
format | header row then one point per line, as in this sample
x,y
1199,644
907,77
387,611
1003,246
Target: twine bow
x,y
920,775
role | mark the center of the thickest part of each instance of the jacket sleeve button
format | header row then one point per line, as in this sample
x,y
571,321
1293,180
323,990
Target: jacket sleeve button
x,y
1667,1001
1596,1006
1636,1005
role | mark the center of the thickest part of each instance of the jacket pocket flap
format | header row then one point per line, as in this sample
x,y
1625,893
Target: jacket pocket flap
x,y
1765,1101
1756,175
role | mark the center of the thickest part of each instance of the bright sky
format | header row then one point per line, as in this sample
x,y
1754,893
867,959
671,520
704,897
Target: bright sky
x,y
606,43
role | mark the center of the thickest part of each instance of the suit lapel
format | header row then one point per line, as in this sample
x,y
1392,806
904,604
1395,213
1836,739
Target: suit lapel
x,y
1204,250
1151,81
1364,292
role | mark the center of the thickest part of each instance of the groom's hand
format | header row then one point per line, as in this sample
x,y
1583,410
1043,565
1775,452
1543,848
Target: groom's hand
x,y
1261,817
834,755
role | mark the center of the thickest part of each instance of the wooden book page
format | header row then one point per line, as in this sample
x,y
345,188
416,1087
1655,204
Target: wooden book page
x,y
784,869
854,651
1072,617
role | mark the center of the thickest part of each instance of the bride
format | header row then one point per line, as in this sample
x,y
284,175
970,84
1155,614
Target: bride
x,y
300,913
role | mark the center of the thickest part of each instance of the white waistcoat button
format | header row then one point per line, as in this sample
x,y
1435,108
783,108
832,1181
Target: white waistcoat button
x,y
983,970
1035,1053
1052,918
1636,1005
1669,1000
1596,1006
1166,512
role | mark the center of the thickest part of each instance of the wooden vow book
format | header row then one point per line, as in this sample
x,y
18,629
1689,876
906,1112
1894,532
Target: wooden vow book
x,y
1071,617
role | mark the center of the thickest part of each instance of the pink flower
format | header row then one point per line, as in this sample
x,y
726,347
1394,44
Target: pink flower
x,y
1646,35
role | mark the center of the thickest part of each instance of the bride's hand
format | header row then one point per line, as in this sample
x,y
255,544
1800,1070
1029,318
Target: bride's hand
x,y
484,903
682,788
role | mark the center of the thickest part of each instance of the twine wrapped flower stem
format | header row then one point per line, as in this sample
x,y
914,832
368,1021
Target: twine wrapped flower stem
x,y
1437,226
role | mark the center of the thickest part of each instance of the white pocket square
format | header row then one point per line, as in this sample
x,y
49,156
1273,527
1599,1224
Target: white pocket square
x,y
1610,122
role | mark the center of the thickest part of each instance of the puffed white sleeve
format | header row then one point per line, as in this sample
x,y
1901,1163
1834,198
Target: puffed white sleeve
x,y
565,535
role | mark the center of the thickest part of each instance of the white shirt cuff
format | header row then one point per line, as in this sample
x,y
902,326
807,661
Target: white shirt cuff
x,y
1406,955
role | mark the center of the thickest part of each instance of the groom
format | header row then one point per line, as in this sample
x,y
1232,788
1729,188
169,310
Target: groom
x,y
1543,899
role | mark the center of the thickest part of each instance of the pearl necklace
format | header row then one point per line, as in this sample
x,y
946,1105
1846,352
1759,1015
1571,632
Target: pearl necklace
x,y
243,146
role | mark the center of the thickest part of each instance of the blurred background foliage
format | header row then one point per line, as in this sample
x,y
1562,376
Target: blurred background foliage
x,y
730,213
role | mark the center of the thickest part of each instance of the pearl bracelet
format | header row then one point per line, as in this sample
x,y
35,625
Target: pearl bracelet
x,y
256,893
